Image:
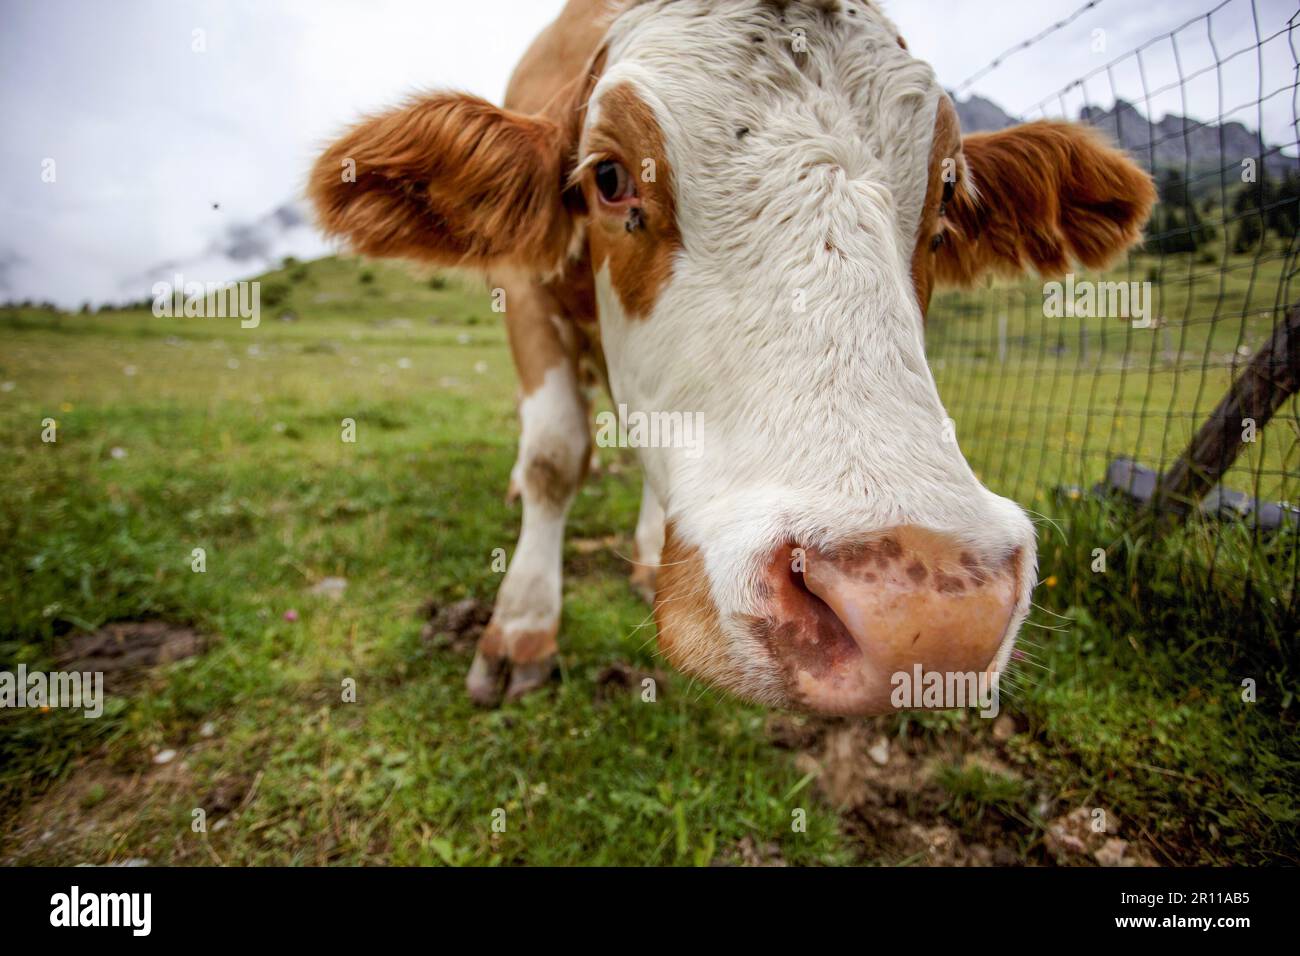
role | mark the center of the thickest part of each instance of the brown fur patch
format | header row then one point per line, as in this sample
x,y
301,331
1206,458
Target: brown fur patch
x,y
640,259
493,642
553,318
533,646
549,480
559,55
525,647
550,321
448,179
1049,193
690,634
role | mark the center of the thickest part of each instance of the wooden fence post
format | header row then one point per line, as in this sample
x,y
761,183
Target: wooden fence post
x,y
1272,377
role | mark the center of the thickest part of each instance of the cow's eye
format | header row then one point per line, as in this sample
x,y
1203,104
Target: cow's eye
x,y
613,182
936,241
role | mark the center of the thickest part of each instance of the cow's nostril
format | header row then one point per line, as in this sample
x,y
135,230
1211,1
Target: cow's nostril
x,y
843,624
800,630
804,600
798,582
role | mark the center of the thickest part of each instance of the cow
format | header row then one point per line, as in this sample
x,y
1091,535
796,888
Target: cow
x,y
737,210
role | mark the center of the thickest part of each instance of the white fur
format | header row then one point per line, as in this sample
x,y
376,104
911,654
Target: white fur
x,y
554,424
819,426
649,528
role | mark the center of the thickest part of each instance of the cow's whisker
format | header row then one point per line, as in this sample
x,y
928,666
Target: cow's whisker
x,y
1044,519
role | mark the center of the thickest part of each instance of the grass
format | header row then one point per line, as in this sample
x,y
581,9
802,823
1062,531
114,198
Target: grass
x,y
1053,400
176,434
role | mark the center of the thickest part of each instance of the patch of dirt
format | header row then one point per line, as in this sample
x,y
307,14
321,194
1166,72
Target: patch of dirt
x,y
132,809
620,678
66,825
226,794
792,731
125,650
749,852
1083,836
455,627
890,791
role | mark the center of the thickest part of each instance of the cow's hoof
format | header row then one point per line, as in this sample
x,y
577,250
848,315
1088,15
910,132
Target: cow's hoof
x,y
486,679
492,678
529,677
643,582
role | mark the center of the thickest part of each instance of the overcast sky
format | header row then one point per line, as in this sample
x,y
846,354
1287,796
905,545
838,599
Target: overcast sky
x,y
150,123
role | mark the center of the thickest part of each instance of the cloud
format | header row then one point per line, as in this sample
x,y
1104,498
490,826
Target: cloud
x,y
150,124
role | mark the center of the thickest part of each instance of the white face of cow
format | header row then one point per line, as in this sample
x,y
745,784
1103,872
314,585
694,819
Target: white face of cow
x,y
766,190
796,155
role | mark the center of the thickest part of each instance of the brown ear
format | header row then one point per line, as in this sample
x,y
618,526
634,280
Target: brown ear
x,y
1045,194
449,179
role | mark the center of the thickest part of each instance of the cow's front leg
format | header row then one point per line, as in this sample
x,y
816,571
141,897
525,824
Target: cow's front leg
x,y
649,543
517,651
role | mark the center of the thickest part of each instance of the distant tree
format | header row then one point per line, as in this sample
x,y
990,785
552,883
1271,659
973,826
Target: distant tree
x,y
1283,212
1249,208
1249,232
1173,189
274,293
1176,226
294,269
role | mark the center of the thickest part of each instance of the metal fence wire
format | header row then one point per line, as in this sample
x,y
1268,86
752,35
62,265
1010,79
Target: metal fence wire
x,y
1087,419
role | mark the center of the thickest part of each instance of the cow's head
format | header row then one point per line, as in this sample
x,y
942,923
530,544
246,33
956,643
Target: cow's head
x,y
768,192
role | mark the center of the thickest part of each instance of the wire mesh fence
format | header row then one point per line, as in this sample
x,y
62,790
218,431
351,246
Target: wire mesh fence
x,y
1083,414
